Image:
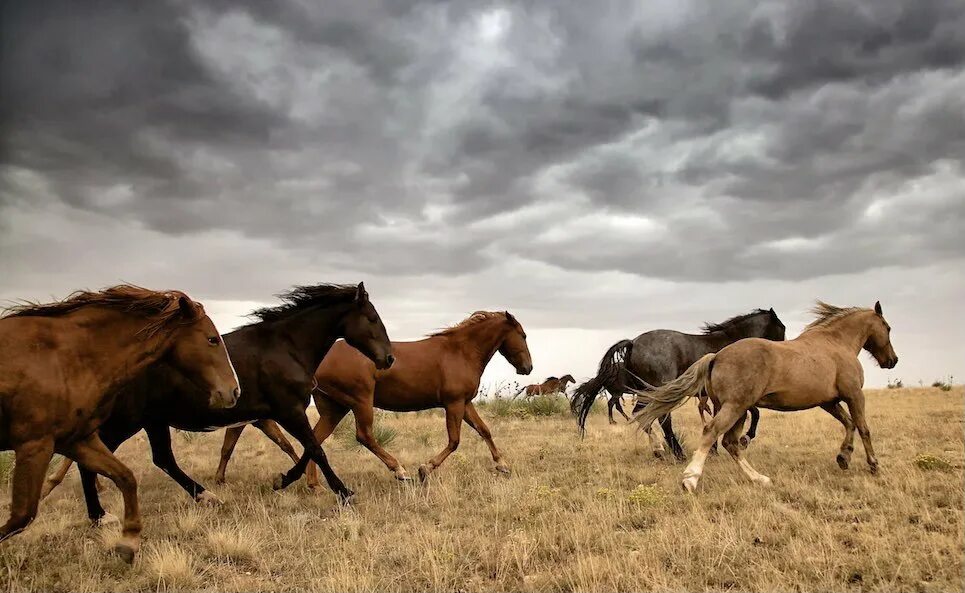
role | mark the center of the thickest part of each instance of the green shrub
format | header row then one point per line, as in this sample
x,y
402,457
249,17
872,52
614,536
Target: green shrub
x,y
943,384
932,462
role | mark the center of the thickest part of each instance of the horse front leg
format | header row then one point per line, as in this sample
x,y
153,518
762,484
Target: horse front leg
x,y
855,403
298,426
30,462
455,413
159,437
475,421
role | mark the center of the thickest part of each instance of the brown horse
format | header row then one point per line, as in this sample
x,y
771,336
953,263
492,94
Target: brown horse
x,y
550,386
63,361
442,370
818,368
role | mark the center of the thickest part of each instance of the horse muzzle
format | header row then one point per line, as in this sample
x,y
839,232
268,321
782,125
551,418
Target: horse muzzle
x,y
525,369
385,362
222,400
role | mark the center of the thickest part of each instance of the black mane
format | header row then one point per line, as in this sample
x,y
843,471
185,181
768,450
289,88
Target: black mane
x,y
300,298
725,326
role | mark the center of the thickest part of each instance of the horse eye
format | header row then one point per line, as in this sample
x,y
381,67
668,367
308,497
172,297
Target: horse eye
x,y
214,340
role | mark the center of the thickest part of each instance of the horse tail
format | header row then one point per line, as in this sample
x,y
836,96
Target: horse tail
x,y
694,382
610,374
521,389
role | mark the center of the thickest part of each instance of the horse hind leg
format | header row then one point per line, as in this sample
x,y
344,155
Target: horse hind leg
x,y
731,442
728,414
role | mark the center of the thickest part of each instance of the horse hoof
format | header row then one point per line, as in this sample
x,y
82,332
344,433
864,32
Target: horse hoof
x,y
764,482
744,442
504,469
843,462
689,484
345,498
424,472
208,499
125,551
403,476
219,480
278,483
105,520
873,468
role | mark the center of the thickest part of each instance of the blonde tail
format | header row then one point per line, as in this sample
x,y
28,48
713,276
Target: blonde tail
x,y
670,396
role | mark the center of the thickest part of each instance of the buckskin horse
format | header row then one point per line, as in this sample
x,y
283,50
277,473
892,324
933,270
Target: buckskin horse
x,y
660,356
820,367
442,370
61,366
275,358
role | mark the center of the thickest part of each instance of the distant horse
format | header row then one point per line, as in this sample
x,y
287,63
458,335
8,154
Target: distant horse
x,y
441,371
61,366
550,386
659,356
275,358
818,368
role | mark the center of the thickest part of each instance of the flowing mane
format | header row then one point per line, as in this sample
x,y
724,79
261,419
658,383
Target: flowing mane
x,y
477,317
725,326
826,314
300,298
161,308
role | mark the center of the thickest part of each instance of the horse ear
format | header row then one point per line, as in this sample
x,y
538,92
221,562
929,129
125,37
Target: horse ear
x,y
360,295
188,307
772,311
510,317
878,307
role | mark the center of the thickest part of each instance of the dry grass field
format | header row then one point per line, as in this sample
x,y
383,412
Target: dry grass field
x,y
594,515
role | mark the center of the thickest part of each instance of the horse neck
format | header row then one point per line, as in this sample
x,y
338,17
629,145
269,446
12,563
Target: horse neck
x,y
719,339
479,342
851,331
312,333
119,334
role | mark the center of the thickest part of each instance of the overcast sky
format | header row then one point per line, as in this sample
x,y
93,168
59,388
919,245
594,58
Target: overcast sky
x,y
598,169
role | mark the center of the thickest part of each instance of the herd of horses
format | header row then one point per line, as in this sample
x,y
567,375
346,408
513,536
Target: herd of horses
x,y
82,375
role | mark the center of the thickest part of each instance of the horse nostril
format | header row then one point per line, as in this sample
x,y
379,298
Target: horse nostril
x,y
390,359
236,392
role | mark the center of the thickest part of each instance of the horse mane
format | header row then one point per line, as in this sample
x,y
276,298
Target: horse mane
x,y
300,298
475,318
551,379
826,314
160,307
725,326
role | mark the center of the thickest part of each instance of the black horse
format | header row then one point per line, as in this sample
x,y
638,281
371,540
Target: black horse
x,y
275,359
656,357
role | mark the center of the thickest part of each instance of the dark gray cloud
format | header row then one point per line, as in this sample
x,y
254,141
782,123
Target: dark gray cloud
x,y
686,142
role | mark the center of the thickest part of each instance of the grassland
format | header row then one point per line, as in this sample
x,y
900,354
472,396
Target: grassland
x,y
593,515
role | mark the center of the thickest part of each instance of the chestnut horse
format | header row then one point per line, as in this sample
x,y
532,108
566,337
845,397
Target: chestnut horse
x,y
818,368
442,370
61,366
550,386
275,357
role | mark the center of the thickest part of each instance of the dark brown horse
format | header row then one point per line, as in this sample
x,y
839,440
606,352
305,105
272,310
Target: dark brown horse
x,y
551,386
275,357
660,356
61,366
441,371
820,367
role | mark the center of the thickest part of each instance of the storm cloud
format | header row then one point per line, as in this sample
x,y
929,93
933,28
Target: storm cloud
x,y
589,165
